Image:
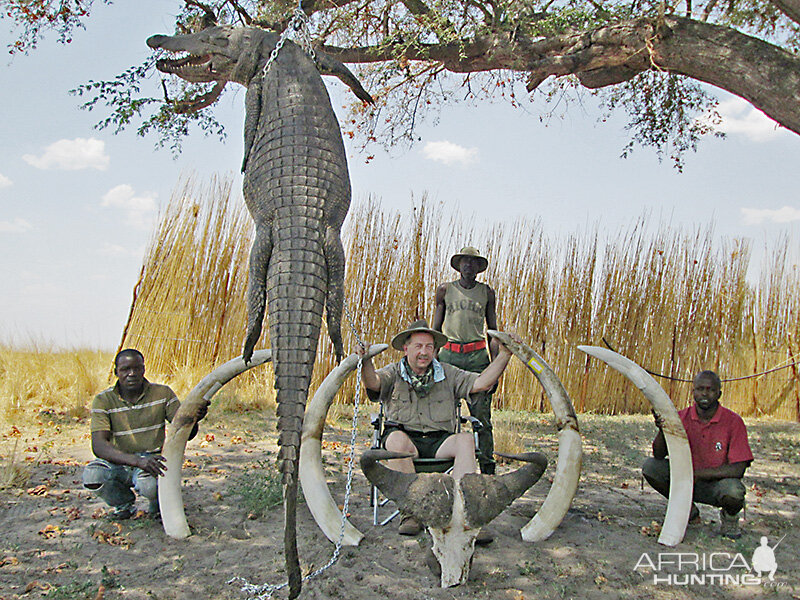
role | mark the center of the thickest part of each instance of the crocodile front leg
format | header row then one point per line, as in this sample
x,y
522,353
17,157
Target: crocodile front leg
x,y
257,287
334,301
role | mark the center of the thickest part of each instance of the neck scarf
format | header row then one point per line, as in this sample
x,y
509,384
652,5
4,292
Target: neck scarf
x,y
421,384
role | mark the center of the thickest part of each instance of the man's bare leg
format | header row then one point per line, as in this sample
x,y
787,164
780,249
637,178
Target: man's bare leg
x,y
398,441
461,448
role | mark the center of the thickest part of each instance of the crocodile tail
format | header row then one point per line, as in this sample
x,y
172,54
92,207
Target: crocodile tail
x,y
290,537
291,405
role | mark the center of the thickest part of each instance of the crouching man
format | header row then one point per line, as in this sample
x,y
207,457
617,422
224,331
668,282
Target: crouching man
x,y
128,430
420,396
720,454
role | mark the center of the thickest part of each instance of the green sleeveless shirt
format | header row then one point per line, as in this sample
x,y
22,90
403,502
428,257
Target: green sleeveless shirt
x,y
465,312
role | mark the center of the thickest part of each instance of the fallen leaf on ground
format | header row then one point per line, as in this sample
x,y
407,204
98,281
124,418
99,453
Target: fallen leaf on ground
x,y
112,538
39,490
9,561
73,513
653,530
51,531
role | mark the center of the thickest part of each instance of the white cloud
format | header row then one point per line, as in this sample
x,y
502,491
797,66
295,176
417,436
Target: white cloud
x,y
756,216
5,181
72,155
15,226
739,117
138,210
450,153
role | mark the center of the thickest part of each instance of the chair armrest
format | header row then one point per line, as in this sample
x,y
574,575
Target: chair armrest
x,y
474,421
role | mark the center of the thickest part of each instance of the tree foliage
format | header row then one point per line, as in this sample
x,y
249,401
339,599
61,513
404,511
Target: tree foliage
x,y
645,57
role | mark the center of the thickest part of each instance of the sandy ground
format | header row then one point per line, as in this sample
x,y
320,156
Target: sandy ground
x,y
57,541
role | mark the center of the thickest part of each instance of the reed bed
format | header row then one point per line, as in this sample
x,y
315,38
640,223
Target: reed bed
x,y
674,300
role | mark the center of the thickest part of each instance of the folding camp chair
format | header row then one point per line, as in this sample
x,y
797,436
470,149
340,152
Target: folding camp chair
x,y
421,465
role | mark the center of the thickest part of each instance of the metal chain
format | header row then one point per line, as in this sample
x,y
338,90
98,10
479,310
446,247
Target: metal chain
x,y
298,23
262,592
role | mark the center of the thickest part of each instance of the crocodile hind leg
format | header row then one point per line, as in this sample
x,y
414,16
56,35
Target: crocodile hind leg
x,y
334,303
257,288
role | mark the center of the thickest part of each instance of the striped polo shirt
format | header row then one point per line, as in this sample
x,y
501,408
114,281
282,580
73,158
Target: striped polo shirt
x,y
136,426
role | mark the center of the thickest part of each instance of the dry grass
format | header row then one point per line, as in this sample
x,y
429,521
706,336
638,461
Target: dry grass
x,y
39,379
14,473
674,300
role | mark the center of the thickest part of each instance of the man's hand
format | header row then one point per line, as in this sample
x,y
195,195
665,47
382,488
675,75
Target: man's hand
x,y
202,411
153,464
659,420
513,335
361,349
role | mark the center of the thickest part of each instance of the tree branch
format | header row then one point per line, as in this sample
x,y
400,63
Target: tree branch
x,y
763,74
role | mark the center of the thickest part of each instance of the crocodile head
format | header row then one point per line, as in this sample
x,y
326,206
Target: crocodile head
x,y
214,55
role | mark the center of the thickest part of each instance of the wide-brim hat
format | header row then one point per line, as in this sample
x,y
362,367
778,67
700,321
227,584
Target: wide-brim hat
x,y
421,326
471,252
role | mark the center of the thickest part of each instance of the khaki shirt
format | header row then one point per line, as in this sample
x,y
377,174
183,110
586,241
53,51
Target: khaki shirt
x,y
434,412
136,426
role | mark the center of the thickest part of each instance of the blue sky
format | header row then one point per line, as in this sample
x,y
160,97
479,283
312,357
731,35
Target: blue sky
x,y
78,204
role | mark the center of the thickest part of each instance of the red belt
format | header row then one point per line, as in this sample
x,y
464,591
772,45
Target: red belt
x,y
463,348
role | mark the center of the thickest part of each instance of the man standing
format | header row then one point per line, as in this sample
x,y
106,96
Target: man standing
x,y
720,454
128,430
462,308
420,396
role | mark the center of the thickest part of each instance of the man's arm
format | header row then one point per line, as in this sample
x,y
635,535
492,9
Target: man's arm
x,y
660,442
368,375
659,445
491,321
491,374
102,448
733,470
440,308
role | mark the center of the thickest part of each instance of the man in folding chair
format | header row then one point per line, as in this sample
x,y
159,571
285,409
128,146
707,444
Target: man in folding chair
x,y
419,395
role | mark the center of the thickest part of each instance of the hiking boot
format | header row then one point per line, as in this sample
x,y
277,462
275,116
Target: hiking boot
x,y
694,514
729,525
121,513
484,537
409,526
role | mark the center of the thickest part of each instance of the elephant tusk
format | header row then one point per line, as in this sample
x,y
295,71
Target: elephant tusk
x,y
170,500
681,483
312,475
568,465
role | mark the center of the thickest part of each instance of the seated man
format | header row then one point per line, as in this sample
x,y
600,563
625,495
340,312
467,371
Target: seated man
x,y
720,454
127,435
420,396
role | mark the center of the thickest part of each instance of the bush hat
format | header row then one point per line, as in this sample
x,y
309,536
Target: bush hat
x,y
421,326
471,252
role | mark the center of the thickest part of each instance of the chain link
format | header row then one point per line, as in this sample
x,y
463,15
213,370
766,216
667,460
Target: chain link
x,y
262,592
299,24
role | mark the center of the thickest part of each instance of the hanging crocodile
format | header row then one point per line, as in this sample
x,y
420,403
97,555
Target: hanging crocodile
x,y
297,189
